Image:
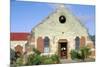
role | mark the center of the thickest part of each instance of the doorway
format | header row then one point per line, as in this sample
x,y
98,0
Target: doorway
x,y
62,49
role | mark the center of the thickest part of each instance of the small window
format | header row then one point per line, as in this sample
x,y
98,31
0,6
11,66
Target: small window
x,y
46,45
62,19
77,43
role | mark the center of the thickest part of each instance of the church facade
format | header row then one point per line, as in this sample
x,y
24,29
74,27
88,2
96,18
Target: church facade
x,y
59,33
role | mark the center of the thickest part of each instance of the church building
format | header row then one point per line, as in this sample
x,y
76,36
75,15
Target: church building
x,y
59,33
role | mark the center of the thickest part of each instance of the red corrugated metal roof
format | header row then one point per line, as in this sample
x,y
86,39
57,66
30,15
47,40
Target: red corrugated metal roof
x,y
18,36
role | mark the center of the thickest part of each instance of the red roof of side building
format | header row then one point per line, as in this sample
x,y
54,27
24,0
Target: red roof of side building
x,y
19,36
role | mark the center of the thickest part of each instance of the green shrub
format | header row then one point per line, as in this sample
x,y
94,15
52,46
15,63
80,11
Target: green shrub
x,y
83,53
37,60
30,59
34,59
55,58
48,61
74,54
36,51
19,62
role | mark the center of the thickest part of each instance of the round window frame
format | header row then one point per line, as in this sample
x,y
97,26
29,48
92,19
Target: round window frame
x,y
62,20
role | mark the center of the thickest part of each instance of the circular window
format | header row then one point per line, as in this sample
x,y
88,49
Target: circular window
x,y
62,19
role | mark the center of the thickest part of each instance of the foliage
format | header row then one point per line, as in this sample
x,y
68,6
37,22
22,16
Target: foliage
x,y
15,60
30,59
74,54
36,58
92,37
55,58
19,61
85,53
47,61
82,54
36,51
12,56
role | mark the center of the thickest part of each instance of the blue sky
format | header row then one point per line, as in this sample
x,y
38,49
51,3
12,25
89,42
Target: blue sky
x,y
26,15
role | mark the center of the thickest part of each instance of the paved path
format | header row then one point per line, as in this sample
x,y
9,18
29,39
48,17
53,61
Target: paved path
x,y
63,61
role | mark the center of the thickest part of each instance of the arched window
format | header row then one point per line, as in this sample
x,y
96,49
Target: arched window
x,y
77,43
46,44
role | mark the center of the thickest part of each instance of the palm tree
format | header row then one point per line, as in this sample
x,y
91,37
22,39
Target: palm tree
x,y
83,53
